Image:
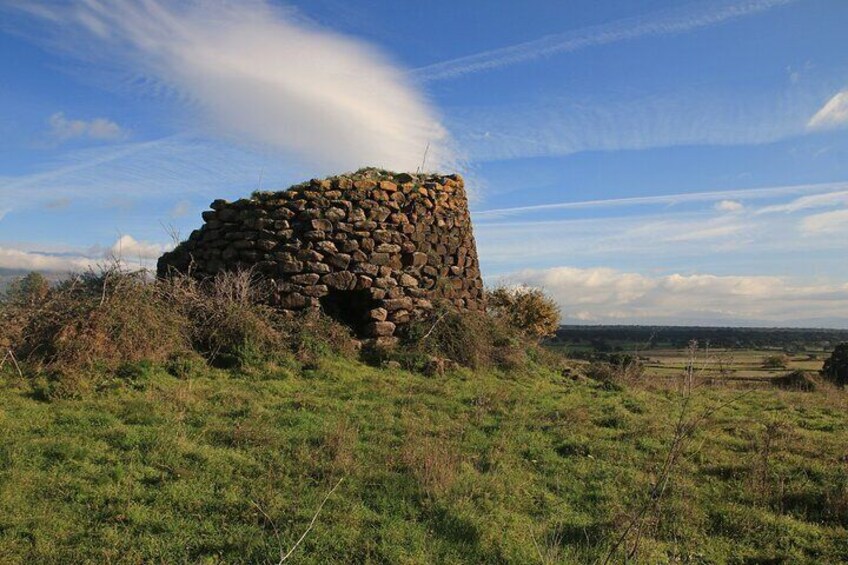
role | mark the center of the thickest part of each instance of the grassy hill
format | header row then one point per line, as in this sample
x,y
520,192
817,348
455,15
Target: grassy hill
x,y
183,421
484,467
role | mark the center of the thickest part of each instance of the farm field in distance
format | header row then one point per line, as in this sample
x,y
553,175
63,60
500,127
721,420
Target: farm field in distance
x,y
730,354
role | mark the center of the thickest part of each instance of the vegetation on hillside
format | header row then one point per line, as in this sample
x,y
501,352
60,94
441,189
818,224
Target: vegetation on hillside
x,y
529,310
835,367
183,421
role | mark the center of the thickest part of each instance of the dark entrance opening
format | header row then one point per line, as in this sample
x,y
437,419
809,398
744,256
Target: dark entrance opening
x,y
349,307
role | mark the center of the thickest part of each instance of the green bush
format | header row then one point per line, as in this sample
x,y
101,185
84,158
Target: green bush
x,y
527,310
775,362
185,365
470,339
29,290
835,368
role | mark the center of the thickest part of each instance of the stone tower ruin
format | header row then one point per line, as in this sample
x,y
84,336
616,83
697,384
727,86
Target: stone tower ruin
x,y
373,249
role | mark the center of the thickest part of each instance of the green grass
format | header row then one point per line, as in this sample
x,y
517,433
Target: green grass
x,y
479,467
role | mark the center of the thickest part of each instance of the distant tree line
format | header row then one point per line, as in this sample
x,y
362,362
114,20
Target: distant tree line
x,y
622,338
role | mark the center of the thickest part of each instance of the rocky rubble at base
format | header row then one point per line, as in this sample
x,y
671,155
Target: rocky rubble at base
x,y
374,249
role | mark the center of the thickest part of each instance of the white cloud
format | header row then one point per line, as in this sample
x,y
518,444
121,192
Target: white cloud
x,y
709,232
833,114
605,295
63,259
653,230
826,223
260,75
129,248
729,206
659,237
669,22
825,200
102,129
35,261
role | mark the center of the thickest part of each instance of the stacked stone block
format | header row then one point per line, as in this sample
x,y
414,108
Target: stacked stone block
x,y
373,249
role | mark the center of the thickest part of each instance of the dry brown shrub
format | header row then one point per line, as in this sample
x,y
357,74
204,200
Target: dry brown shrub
x,y
620,371
233,323
228,314
99,318
798,380
471,339
19,300
313,334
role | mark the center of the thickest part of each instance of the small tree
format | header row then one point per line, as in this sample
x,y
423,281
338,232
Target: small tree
x,y
28,290
528,310
836,366
775,362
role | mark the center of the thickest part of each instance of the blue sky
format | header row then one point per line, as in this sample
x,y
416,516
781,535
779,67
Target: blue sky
x,y
645,162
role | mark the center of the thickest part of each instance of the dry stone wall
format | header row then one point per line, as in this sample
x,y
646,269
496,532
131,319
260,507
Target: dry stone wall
x,y
373,249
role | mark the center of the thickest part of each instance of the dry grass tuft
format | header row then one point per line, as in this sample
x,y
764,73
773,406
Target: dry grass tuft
x,y
434,462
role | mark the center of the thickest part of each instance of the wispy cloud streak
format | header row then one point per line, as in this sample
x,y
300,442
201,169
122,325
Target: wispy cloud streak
x,y
675,21
833,114
672,199
176,165
685,116
257,74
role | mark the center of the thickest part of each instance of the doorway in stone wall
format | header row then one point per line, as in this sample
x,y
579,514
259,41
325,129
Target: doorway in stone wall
x,y
349,307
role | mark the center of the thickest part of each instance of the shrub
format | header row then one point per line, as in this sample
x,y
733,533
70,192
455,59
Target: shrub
x,y
185,365
101,319
621,369
229,321
28,290
20,298
775,362
528,310
463,337
835,367
72,335
94,325
313,334
232,324
467,338
797,380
